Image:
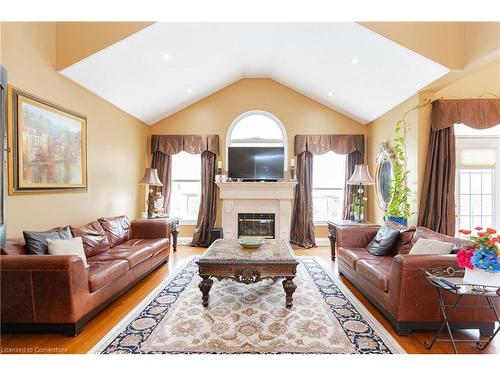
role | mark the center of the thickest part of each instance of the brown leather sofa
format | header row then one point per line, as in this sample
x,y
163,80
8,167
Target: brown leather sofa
x,y
396,286
42,293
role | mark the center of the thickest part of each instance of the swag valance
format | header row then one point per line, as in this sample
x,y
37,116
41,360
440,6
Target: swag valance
x,y
323,143
476,113
193,144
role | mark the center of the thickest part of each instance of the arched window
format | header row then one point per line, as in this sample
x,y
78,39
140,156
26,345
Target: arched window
x,y
257,129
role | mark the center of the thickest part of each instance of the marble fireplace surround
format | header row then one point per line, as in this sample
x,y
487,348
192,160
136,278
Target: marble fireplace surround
x,y
257,197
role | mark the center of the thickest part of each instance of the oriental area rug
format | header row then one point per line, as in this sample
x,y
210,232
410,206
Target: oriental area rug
x,y
325,318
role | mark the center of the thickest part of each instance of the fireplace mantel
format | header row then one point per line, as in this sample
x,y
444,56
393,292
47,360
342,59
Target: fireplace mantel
x,y
257,197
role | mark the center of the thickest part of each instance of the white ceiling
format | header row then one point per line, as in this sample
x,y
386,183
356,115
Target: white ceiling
x,y
168,66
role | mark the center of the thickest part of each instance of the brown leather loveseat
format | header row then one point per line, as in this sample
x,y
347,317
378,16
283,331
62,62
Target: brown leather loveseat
x,y
57,293
396,286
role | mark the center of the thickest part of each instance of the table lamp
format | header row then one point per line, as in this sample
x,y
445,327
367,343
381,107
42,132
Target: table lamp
x,y
151,178
361,176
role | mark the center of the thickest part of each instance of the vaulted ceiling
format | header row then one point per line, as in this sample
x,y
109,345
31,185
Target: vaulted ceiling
x,y
167,66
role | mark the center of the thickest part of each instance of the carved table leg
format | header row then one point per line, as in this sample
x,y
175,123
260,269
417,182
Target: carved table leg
x,y
205,286
289,287
332,236
175,233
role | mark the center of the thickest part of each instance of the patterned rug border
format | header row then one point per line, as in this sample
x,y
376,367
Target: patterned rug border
x,y
377,327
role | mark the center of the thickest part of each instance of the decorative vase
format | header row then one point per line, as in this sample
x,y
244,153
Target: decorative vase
x,y
398,219
481,277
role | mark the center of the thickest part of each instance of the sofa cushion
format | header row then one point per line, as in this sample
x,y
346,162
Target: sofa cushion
x,y
36,242
102,273
384,242
353,254
133,255
68,247
404,243
377,272
158,244
93,237
117,229
431,246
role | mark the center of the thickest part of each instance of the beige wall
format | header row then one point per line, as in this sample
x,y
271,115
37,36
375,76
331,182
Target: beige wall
x,y
299,114
77,40
382,130
116,141
479,82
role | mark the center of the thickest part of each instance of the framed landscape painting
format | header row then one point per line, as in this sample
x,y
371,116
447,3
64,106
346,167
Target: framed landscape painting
x,y
48,146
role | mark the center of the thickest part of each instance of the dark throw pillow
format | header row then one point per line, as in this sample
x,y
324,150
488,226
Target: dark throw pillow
x,y
384,242
36,242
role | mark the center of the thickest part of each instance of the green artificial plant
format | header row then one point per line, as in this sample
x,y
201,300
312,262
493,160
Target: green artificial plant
x,y
400,205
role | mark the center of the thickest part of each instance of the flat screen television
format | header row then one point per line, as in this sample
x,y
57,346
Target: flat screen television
x,y
256,163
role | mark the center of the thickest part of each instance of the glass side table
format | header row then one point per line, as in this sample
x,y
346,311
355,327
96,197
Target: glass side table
x,y
450,279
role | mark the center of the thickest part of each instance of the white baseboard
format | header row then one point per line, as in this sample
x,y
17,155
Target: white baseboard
x,y
322,241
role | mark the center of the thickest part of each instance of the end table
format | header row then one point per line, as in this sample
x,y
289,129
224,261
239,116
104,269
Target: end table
x,y
333,225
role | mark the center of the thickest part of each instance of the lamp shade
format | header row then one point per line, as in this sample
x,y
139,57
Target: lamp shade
x,y
151,178
361,176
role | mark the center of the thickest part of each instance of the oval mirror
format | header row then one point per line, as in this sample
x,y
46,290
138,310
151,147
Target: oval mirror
x,y
384,176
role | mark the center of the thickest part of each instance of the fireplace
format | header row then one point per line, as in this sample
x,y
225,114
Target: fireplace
x,y
256,225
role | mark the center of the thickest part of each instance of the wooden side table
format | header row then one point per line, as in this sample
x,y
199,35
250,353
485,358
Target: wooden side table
x,y
333,225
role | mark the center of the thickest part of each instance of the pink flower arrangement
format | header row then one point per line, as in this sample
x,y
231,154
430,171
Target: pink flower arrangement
x,y
484,253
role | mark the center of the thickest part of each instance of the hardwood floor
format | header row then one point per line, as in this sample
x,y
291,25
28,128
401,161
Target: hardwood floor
x,y
107,319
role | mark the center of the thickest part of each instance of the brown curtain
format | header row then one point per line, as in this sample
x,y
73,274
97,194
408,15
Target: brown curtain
x,y
305,146
352,159
206,212
164,146
437,206
302,233
163,164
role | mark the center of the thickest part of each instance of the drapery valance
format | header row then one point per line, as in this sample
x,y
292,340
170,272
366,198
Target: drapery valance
x,y
323,143
193,144
476,113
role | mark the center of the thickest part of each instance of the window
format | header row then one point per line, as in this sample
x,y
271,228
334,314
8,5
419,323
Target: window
x,y
328,186
186,187
257,129
478,154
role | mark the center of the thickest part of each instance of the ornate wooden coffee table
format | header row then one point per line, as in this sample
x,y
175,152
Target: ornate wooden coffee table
x,y
227,259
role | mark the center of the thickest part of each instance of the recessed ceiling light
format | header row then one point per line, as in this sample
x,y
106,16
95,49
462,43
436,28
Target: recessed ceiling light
x,y
354,61
330,93
189,91
165,56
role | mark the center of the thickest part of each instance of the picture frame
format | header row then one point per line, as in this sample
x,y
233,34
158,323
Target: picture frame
x,y
47,146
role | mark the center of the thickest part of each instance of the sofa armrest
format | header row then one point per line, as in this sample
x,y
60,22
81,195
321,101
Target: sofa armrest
x,y
412,297
42,288
349,237
143,229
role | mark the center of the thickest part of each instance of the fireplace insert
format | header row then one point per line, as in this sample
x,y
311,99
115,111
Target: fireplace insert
x,y
256,225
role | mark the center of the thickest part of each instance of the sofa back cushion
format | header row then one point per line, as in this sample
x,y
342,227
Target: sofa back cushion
x,y
14,247
384,241
117,229
93,237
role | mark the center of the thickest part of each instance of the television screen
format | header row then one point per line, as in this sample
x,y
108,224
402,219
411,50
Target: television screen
x,y
256,163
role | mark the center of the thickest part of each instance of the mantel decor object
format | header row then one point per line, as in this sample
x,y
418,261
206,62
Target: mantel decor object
x,y
360,176
151,179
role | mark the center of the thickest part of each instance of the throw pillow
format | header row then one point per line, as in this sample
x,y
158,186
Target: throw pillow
x,y
431,246
384,242
36,242
67,247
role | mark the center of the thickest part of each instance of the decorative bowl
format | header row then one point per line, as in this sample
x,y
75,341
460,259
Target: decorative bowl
x,y
251,243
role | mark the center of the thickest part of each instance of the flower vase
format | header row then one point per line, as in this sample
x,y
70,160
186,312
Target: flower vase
x,y
481,277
